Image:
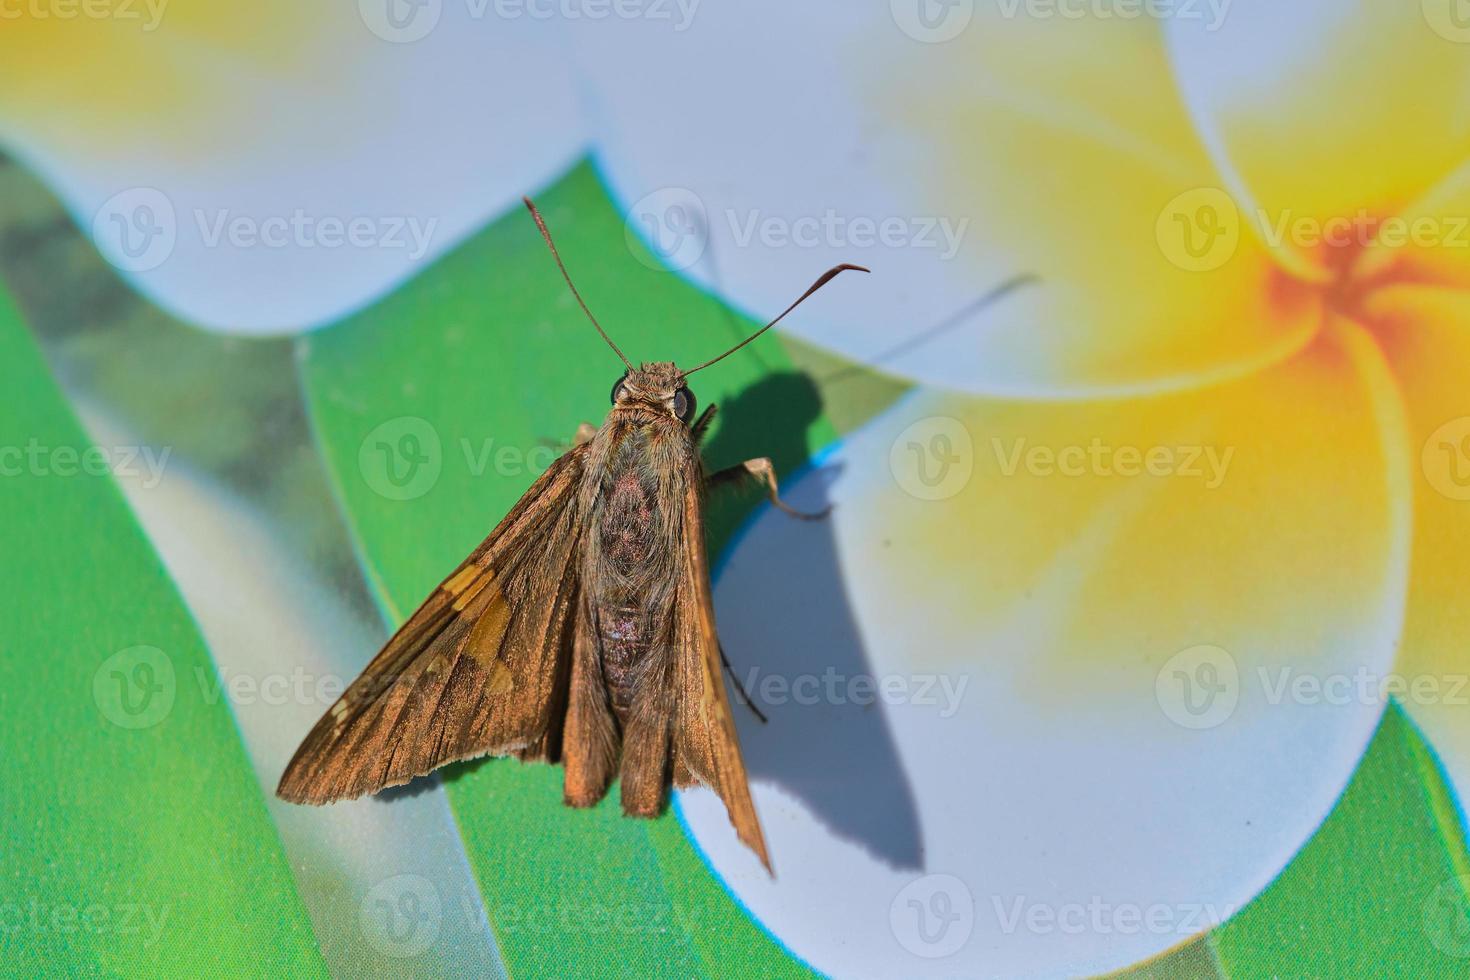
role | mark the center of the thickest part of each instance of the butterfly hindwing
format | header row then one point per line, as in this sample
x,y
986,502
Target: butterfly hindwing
x,y
706,749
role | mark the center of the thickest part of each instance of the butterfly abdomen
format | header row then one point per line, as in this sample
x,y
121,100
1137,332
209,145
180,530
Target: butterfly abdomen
x,y
624,589
632,574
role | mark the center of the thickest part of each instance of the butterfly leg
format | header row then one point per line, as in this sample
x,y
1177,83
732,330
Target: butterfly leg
x,y
740,688
584,435
763,471
701,424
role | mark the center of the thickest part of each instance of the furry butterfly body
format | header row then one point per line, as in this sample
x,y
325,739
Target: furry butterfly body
x,y
581,631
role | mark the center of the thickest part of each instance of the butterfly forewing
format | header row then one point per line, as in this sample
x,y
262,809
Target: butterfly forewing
x,y
705,745
480,668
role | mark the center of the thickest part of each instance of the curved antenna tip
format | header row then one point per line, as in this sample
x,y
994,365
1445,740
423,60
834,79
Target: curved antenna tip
x,y
822,280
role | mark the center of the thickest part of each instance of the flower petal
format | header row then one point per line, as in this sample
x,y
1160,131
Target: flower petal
x,y
1428,343
1019,192
1319,110
1114,719
252,184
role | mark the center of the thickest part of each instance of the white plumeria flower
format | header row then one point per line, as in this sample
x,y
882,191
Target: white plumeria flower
x,y
1133,589
268,169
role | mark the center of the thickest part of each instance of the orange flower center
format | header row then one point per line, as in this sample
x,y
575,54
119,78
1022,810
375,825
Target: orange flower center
x,y
1354,258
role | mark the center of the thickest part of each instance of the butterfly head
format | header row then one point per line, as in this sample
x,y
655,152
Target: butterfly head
x,y
658,386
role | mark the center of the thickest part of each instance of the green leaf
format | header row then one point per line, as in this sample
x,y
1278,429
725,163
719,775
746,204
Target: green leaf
x,y
1377,890
136,838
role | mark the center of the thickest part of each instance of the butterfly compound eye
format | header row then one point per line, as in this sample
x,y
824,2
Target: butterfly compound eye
x,y
684,404
617,388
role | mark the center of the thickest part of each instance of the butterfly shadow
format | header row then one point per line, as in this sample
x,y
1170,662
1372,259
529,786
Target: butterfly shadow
x,y
787,628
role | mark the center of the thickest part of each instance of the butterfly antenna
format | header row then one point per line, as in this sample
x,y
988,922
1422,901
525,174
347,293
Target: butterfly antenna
x,y
541,224
825,278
